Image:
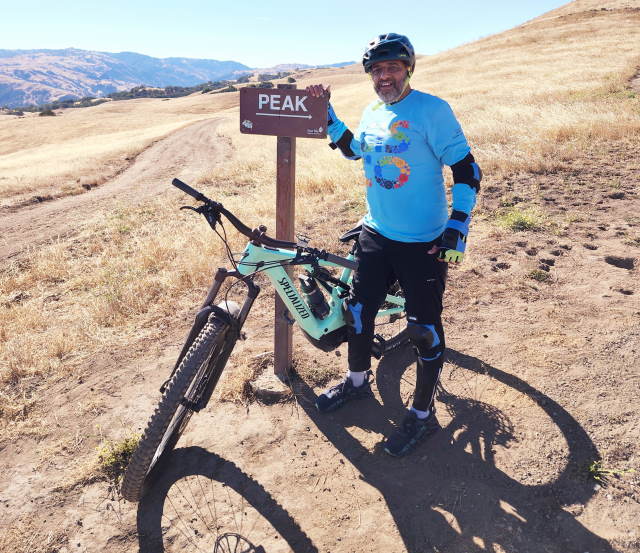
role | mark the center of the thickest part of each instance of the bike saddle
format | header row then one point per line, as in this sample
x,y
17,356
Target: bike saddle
x,y
351,234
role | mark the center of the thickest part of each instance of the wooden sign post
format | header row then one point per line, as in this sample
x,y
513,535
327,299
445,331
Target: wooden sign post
x,y
286,113
285,225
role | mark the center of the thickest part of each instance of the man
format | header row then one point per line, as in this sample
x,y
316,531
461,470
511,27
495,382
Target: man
x,y
404,139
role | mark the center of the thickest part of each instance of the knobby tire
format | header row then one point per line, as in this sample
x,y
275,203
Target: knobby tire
x,y
197,374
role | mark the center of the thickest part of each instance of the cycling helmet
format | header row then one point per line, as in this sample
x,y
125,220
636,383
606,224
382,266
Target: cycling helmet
x,y
390,46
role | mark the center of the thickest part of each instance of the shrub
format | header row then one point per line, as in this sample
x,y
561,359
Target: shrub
x,y
113,457
539,275
268,84
521,219
270,76
47,113
229,88
291,80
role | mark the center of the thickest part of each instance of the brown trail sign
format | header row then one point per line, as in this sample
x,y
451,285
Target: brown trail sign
x,y
282,112
287,113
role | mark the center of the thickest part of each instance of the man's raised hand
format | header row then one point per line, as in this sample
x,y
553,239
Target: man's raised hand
x,y
318,91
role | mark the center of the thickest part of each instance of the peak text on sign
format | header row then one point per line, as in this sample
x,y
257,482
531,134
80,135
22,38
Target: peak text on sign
x,y
274,102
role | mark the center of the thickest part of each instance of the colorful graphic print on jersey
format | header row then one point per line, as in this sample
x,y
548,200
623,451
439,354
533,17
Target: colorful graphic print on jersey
x,y
386,161
402,166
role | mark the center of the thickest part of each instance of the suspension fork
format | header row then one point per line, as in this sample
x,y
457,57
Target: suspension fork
x,y
219,277
209,307
228,345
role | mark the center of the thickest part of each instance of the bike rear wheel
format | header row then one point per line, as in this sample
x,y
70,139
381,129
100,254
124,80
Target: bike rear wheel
x,y
188,390
391,330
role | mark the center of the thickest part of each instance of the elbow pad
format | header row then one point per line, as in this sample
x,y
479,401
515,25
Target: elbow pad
x,y
344,144
467,171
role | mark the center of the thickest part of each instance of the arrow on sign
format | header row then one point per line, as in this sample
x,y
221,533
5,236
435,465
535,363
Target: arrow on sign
x,y
282,115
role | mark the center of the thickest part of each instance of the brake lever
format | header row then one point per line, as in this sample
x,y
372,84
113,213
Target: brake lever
x,y
212,216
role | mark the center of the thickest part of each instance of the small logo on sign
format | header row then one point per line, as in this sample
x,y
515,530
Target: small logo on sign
x,y
247,124
315,131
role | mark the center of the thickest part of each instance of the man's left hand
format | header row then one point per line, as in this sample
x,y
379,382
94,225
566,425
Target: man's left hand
x,y
319,91
451,245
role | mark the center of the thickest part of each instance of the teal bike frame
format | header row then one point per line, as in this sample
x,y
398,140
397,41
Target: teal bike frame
x,y
259,258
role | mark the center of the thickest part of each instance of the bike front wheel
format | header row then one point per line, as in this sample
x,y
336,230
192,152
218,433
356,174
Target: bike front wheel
x,y
188,390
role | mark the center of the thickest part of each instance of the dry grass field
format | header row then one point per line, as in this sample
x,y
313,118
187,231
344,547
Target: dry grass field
x,y
543,317
55,156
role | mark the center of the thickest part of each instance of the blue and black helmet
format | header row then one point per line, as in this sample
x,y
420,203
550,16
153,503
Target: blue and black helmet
x,y
387,47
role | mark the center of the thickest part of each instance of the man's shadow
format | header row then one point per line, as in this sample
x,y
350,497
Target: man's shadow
x,y
449,496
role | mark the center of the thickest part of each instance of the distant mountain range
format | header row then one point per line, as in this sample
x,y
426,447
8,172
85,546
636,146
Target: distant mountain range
x,y
40,76
34,77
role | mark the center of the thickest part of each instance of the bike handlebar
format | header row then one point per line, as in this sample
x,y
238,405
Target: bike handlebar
x,y
218,209
257,235
191,191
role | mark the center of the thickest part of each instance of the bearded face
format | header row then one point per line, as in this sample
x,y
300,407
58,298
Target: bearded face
x,y
390,80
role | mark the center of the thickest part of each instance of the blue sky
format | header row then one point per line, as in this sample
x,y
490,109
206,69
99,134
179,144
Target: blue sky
x,y
258,34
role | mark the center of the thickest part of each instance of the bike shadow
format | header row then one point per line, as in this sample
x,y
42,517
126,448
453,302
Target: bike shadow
x,y
192,461
449,495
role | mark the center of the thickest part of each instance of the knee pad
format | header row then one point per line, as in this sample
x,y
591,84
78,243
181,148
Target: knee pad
x,y
425,340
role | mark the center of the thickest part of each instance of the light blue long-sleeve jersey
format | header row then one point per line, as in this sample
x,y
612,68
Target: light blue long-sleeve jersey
x,y
404,147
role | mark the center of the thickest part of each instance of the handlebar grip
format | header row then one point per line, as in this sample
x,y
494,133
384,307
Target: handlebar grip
x,y
188,190
348,263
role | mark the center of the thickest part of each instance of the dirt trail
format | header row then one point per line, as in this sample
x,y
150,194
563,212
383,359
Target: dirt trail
x,y
186,154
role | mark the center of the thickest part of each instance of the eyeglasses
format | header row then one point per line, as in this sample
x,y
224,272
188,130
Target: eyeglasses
x,y
391,68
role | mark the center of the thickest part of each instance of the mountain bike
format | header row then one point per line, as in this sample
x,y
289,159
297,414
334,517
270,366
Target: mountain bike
x,y
318,307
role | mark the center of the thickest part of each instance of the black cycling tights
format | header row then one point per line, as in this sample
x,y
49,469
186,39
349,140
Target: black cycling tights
x,y
422,279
